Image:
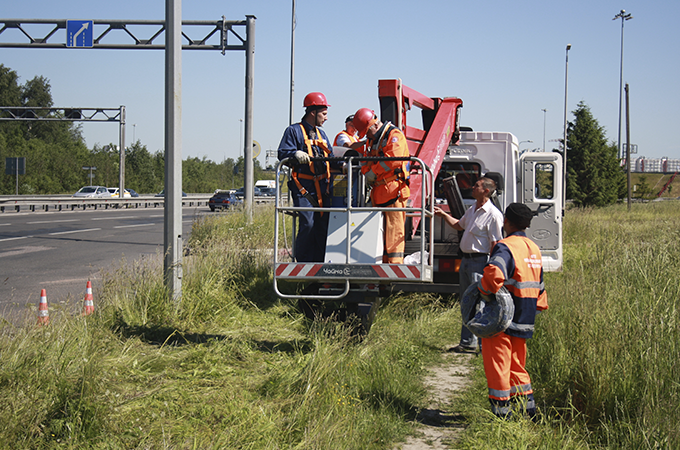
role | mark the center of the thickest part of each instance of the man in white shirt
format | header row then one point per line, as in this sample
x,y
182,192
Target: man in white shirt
x,y
482,226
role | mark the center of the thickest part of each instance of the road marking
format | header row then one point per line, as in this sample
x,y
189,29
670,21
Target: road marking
x,y
137,225
15,238
113,218
4,224
53,221
23,250
73,231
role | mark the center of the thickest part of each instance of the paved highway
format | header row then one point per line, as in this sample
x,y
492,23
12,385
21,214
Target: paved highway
x,y
60,251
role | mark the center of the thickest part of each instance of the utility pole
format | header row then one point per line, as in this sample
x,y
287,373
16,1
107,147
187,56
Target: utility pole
x,y
623,16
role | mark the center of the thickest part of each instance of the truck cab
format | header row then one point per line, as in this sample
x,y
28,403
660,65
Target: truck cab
x,y
531,178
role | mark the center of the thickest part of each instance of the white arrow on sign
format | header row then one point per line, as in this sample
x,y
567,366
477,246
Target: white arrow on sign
x,y
83,28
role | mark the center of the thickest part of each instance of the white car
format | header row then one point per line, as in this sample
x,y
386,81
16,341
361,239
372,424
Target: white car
x,y
93,192
114,193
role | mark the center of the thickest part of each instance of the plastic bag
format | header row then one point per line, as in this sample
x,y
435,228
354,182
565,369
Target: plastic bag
x,y
414,258
486,316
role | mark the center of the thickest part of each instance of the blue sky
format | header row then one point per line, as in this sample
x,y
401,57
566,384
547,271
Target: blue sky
x,y
506,60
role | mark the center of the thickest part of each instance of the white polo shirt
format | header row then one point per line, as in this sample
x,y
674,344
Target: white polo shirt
x,y
482,227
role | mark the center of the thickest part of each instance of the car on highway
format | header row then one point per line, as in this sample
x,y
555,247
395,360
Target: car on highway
x,y
132,192
93,192
114,193
268,191
162,194
257,192
222,199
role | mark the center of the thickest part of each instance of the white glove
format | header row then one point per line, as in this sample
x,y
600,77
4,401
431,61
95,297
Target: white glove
x,y
302,157
370,177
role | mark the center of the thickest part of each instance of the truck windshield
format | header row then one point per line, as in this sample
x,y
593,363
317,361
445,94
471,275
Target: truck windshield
x,y
466,175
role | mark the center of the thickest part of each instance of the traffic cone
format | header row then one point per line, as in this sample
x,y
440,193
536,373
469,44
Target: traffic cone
x,y
88,306
43,312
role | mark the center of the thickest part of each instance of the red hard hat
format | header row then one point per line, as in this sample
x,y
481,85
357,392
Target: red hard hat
x,y
315,99
363,119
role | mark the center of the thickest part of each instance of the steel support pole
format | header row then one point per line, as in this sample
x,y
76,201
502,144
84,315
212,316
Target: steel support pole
x,y
292,67
121,145
172,232
564,144
248,178
630,194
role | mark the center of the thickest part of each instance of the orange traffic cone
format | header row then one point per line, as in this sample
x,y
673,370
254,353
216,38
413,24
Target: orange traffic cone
x,y
88,306
43,312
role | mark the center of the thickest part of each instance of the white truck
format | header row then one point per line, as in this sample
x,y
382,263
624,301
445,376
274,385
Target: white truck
x,y
445,163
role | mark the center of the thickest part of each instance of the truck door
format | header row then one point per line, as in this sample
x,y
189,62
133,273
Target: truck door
x,y
542,192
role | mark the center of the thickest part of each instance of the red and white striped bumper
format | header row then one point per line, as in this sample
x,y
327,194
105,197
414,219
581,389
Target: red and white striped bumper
x,y
353,272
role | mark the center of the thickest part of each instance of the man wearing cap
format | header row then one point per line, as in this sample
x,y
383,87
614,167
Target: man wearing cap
x,y
348,137
482,228
309,179
516,264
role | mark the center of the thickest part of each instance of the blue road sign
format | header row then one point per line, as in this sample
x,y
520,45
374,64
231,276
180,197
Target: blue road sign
x,y
79,33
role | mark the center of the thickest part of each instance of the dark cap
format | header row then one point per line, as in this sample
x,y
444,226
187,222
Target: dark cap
x,y
349,118
519,215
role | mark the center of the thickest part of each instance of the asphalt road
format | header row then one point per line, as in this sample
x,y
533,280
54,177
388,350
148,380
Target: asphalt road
x,y
61,251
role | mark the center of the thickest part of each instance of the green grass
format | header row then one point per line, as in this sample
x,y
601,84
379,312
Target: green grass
x,y
232,366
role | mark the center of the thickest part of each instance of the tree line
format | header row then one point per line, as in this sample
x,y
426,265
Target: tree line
x,y
56,153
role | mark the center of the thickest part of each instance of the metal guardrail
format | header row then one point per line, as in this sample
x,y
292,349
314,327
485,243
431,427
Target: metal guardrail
x,y
66,202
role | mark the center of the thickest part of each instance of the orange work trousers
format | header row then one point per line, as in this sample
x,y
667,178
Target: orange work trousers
x,y
393,252
504,366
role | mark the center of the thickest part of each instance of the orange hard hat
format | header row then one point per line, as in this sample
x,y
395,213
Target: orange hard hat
x,y
315,99
363,120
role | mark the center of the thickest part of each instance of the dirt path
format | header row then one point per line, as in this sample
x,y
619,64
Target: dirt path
x,y
437,426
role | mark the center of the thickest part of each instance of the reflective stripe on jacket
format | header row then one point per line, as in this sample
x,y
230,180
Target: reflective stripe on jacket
x,y
391,176
516,264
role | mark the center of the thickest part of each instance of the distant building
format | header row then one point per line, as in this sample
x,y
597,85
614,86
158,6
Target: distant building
x,y
658,165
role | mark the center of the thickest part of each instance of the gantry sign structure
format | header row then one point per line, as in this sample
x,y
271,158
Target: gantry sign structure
x,y
50,114
171,35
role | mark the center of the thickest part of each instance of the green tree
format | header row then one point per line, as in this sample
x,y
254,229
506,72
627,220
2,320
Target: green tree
x,y
10,92
139,170
595,177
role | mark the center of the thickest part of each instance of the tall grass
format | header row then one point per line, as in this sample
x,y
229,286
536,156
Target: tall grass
x,y
606,352
230,366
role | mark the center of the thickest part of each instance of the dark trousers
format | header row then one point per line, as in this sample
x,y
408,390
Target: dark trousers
x,y
312,231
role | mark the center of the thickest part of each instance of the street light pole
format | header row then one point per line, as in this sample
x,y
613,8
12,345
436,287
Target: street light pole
x,y
520,144
623,16
544,114
564,142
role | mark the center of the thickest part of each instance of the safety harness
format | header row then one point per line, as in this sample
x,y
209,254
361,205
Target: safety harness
x,y
323,145
400,173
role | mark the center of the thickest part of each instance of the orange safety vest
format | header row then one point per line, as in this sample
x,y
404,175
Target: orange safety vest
x,y
351,137
516,264
392,177
295,174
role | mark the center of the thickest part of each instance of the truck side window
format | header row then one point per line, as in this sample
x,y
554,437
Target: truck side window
x,y
545,175
466,175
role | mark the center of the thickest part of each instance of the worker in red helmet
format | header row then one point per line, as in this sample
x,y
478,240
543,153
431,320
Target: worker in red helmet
x,y
348,137
390,179
516,264
309,178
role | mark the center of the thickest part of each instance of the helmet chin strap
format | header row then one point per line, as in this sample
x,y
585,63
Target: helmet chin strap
x,y
384,128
